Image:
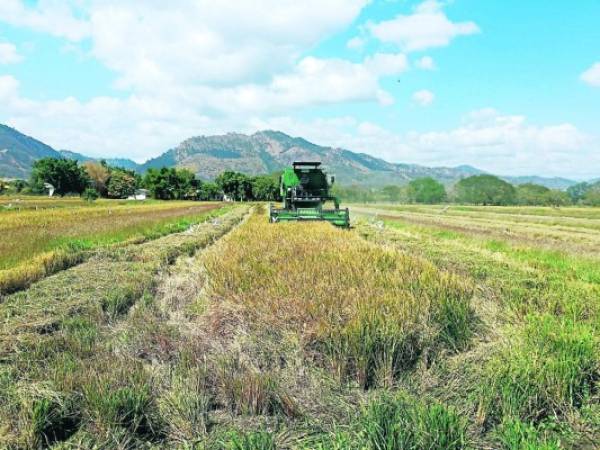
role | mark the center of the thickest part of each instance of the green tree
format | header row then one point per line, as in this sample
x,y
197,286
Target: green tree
x,y
578,191
426,190
485,190
265,188
172,184
64,174
392,193
17,186
235,185
554,197
121,183
592,195
188,186
210,191
532,194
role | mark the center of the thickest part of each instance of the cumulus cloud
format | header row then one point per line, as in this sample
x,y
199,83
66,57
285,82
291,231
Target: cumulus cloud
x,y
592,75
206,42
190,63
56,17
144,125
222,56
192,67
487,139
423,97
9,53
140,127
427,27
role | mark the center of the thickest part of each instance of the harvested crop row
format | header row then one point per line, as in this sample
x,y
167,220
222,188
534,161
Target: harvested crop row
x,y
575,240
538,372
59,373
284,336
37,243
567,217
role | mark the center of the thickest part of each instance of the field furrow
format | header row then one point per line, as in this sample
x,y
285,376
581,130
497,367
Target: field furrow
x,y
402,333
56,337
39,242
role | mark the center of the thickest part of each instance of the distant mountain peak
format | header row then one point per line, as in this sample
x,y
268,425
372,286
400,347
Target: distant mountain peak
x,y
262,152
270,150
19,152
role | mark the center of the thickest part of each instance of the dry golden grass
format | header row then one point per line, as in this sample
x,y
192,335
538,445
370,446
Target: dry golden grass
x,y
573,230
70,370
366,311
37,242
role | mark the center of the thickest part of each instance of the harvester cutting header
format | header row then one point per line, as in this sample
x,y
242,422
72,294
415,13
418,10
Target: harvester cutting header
x,y
305,189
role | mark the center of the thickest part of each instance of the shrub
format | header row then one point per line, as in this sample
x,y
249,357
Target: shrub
x,y
90,194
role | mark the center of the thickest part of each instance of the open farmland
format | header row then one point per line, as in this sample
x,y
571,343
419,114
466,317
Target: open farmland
x,y
43,235
420,328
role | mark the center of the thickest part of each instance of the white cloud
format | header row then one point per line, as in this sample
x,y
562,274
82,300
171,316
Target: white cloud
x,y
8,88
9,53
143,125
592,75
427,27
194,67
423,97
188,63
55,17
356,43
140,127
191,42
385,64
486,139
426,63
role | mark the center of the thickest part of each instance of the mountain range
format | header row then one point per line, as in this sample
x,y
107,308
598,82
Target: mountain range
x,y
259,153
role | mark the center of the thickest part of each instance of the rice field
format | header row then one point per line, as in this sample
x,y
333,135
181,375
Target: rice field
x,y
42,235
419,328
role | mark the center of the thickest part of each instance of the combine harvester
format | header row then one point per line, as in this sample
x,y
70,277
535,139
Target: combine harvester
x,y
304,189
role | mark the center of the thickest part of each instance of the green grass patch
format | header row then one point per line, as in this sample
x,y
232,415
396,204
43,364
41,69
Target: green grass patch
x,y
550,367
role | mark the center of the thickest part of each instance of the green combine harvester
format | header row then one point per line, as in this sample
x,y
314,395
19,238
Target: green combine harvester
x,y
305,189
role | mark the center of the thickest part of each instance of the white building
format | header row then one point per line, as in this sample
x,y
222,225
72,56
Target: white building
x,y
139,194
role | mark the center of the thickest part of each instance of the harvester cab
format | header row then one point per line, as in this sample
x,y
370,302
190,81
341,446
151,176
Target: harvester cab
x,y
304,188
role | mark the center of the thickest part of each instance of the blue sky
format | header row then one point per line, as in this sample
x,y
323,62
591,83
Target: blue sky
x,y
509,86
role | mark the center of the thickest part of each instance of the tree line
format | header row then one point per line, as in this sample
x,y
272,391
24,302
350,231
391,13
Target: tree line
x,y
474,190
92,180
98,179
